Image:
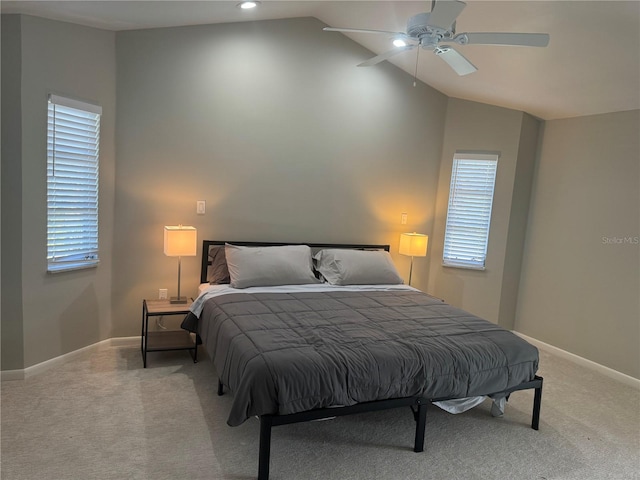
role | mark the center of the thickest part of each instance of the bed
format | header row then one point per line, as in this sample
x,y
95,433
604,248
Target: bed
x,y
310,331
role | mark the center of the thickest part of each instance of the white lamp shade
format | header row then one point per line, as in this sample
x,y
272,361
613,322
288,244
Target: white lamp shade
x,y
413,244
180,241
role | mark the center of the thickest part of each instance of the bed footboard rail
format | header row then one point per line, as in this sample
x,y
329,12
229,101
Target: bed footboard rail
x,y
418,406
269,421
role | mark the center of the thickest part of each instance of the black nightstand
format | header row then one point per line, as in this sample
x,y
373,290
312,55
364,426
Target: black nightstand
x,y
165,340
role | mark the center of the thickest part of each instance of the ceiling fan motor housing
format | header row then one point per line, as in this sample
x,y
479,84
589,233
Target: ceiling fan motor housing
x,y
418,25
427,35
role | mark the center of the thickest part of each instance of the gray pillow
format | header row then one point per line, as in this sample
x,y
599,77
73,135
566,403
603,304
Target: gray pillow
x,y
269,266
217,272
357,267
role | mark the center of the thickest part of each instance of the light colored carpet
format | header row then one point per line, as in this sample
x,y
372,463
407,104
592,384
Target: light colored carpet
x,y
102,416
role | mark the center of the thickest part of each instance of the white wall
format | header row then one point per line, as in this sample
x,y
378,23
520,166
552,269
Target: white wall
x,y
580,284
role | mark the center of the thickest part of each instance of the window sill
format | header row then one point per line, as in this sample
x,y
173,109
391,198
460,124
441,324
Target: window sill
x,y
465,267
67,267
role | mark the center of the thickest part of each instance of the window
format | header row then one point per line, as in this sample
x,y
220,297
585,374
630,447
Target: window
x,y
466,236
73,138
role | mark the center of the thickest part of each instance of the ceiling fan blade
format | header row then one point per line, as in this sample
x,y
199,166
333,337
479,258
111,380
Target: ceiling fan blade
x,y
456,60
514,39
386,55
359,30
444,13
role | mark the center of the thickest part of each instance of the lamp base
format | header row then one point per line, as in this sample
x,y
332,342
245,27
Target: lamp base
x,y
178,300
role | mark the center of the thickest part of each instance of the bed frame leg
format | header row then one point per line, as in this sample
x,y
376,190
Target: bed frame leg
x,y
220,388
537,402
421,420
265,447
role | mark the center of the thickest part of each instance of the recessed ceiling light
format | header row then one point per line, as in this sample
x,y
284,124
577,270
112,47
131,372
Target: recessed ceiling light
x,y
248,5
398,42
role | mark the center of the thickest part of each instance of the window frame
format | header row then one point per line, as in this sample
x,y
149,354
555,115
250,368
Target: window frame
x,y
73,147
483,211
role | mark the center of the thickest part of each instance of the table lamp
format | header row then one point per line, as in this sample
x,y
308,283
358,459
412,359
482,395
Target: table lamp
x,y
413,245
180,241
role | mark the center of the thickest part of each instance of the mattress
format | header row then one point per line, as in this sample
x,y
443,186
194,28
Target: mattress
x,y
284,350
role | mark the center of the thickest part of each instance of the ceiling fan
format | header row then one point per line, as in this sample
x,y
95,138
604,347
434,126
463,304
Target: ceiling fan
x,y
436,31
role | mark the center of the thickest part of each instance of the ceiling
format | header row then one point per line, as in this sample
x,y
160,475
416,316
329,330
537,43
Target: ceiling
x,y
591,66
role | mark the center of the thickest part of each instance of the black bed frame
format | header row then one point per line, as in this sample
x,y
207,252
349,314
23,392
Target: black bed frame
x,y
417,404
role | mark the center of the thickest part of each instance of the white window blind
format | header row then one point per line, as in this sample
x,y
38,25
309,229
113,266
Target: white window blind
x,y
466,237
73,139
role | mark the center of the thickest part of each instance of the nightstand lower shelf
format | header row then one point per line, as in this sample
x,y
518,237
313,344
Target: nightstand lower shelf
x,y
169,340
165,340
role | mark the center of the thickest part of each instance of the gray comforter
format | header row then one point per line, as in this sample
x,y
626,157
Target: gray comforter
x,y
282,353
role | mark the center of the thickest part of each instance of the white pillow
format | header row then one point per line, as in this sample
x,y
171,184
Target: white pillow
x,y
357,267
268,266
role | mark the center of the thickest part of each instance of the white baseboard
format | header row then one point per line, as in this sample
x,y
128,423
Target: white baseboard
x,y
124,341
47,364
11,375
609,372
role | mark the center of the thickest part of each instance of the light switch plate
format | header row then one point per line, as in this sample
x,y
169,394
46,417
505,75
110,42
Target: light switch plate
x,y
403,219
201,207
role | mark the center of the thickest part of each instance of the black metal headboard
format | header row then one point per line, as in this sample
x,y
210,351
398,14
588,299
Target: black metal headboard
x,y
314,246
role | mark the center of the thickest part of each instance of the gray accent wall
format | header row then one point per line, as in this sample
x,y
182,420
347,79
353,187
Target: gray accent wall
x,y
285,139
274,126
528,145
59,313
477,127
580,287
12,335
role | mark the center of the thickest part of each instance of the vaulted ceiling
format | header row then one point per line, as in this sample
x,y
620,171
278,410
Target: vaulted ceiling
x,y
591,66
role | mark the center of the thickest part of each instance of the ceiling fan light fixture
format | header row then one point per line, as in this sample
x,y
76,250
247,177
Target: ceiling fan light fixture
x,y
248,5
399,42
